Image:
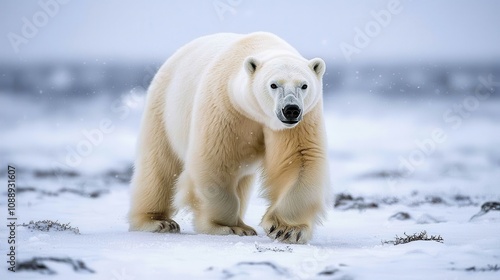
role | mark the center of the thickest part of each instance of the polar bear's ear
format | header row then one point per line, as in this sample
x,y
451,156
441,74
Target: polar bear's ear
x,y
251,65
318,66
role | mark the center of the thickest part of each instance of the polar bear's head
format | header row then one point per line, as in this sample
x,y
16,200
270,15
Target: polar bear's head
x,y
284,88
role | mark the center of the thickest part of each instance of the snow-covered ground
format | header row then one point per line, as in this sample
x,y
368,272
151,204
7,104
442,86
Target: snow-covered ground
x,y
422,157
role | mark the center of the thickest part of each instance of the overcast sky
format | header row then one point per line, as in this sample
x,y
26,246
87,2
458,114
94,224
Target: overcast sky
x,y
416,30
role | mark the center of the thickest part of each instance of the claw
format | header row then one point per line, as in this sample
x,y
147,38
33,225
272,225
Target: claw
x,y
298,236
279,234
272,229
287,235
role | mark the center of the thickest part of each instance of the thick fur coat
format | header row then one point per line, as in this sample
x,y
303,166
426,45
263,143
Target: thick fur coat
x,y
222,110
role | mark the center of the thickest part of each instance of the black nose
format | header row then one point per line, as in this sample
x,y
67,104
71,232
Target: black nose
x,y
291,112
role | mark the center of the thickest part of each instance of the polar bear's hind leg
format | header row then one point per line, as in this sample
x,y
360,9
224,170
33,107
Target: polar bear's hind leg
x,y
156,170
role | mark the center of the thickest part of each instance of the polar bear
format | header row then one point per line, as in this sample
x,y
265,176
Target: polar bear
x,y
222,110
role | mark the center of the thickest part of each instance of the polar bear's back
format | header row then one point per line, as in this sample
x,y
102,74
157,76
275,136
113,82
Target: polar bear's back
x,y
182,75
184,70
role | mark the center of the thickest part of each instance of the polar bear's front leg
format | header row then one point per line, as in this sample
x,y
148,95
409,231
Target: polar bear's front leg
x,y
295,208
291,219
296,179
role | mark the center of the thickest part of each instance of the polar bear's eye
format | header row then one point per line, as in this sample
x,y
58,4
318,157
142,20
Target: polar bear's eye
x,y
274,86
304,87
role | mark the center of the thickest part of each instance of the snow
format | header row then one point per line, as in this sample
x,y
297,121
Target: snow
x,y
367,136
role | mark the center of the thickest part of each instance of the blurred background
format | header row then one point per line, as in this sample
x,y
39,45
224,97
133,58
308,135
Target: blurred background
x,y
411,88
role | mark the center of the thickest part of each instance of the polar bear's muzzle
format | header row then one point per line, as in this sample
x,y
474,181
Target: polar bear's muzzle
x,y
289,112
289,108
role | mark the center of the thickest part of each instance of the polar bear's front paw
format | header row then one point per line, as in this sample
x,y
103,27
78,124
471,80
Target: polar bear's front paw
x,y
237,230
211,228
289,234
161,223
166,226
153,222
243,231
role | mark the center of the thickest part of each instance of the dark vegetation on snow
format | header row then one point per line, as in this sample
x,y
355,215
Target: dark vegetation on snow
x,y
487,268
64,190
42,265
422,236
261,248
401,216
48,225
58,182
487,207
346,201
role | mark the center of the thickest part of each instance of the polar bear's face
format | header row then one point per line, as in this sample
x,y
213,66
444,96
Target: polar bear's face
x,y
286,88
